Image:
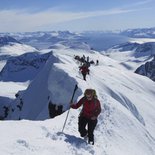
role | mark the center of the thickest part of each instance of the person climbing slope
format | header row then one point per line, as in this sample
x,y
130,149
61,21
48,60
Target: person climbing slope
x,y
84,70
89,114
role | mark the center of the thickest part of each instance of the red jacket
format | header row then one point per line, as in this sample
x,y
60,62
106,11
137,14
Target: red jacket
x,y
90,108
84,69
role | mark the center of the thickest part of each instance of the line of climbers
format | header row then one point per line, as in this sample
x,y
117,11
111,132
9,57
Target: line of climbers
x,y
91,107
84,65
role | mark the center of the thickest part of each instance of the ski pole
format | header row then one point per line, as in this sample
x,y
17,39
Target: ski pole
x,y
76,87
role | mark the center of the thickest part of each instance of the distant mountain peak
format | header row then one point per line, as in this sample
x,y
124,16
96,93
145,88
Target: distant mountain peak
x,y
24,67
6,40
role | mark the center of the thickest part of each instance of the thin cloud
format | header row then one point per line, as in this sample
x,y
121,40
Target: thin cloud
x,y
136,4
143,2
20,20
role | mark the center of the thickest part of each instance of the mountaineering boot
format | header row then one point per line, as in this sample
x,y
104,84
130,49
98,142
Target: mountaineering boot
x,y
91,142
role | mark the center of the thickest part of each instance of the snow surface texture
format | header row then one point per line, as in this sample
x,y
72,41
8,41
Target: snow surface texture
x,y
125,125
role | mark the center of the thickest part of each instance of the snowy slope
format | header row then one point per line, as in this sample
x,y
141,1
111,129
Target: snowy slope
x,y
125,126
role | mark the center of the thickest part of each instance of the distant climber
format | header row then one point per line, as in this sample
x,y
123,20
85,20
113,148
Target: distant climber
x,y
87,59
84,70
89,113
97,62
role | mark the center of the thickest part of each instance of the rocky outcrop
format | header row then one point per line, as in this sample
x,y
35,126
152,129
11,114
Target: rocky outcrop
x,y
147,69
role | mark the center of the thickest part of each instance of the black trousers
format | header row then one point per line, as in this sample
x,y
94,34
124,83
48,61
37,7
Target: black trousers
x,y
83,122
84,76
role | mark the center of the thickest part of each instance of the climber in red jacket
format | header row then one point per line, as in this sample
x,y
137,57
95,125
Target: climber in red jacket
x,y
84,70
88,116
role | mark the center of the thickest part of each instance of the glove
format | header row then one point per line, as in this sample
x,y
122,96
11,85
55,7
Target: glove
x,y
71,105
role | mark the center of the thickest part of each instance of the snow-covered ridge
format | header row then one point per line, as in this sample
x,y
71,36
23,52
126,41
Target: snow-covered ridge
x,y
125,126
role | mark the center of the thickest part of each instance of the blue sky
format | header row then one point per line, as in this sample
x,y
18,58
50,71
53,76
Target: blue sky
x,y
75,15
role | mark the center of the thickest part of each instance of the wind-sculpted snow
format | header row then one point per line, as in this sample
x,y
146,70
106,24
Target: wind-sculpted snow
x,y
58,80
127,104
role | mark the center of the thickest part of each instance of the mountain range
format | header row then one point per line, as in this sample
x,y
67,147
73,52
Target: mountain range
x,y
140,33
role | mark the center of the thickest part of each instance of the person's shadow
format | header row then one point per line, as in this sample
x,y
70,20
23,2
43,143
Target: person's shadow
x,y
76,141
